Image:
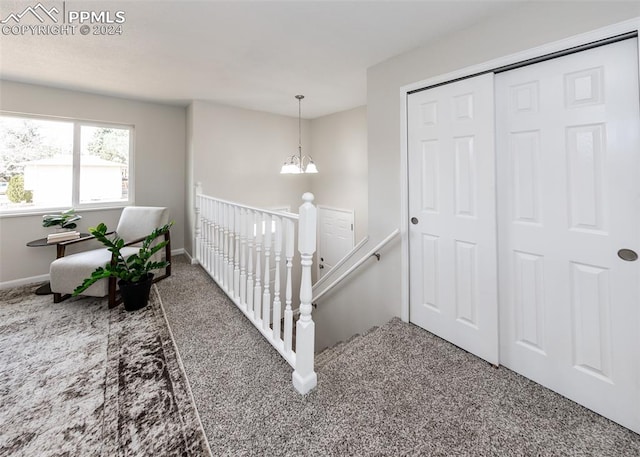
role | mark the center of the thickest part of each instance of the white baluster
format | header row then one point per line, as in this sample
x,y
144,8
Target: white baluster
x,y
277,249
204,232
304,376
266,294
220,264
288,312
204,226
236,253
219,239
250,238
209,254
232,245
214,227
225,247
197,235
243,257
201,248
204,217
257,288
215,211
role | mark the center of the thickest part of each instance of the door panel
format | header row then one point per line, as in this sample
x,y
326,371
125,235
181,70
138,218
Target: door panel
x,y
568,160
335,238
452,200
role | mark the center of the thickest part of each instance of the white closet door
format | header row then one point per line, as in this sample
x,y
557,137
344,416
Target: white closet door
x,y
452,236
569,200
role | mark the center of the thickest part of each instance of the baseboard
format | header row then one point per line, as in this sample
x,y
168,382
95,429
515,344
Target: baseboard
x,y
183,252
43,278
23,281
177,251
192,260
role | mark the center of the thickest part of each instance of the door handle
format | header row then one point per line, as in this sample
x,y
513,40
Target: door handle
x,y
628,255
321,266
414,220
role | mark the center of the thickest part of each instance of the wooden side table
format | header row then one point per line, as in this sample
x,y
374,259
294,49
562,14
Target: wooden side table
x,y
45,289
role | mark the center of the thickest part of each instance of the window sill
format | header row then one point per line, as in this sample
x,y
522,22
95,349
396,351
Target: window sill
x,y
42,212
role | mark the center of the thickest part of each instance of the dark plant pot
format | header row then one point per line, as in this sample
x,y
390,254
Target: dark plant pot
x,y
135,295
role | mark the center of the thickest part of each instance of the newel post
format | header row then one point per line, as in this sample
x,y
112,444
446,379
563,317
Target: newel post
x,y
197,234
304,376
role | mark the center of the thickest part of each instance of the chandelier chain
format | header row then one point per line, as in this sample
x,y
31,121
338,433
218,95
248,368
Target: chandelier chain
x,y
297,164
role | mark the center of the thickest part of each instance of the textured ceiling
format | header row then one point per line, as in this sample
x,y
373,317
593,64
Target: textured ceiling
x,y
255,54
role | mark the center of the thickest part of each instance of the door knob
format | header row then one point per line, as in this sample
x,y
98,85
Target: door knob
x,y
414,220
628,255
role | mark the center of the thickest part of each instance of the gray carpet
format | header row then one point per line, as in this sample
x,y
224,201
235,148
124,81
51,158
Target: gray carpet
x,y
395,391
78,379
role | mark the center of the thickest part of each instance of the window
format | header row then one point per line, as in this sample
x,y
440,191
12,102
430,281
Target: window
x,y
51,163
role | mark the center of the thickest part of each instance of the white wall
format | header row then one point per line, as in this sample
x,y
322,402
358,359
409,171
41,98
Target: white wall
x,y
159,166
377,290
237,153
339,147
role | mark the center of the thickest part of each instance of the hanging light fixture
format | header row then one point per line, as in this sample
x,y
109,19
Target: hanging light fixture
x,y
297,164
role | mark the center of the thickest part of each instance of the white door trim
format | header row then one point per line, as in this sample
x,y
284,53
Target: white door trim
x,y
630,26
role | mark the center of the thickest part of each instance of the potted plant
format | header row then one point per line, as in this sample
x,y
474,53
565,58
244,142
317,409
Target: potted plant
x,y
66,219
135,272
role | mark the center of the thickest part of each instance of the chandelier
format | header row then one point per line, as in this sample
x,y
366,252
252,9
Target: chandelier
x,y
297,164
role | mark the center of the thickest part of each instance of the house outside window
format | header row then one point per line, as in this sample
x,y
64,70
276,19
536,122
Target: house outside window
x,y
48,163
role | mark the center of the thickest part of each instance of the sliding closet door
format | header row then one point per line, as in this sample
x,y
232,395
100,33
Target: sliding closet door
x,y
452,233
568,134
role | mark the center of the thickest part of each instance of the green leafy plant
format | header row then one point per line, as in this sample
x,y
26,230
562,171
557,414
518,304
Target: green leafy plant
x,y
66,219
133,269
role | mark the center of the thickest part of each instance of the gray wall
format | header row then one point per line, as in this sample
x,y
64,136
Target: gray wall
x,y
339,147
237,153
159,166
374,296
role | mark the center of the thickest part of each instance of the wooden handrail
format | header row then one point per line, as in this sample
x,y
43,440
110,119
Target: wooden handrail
x,y
355,266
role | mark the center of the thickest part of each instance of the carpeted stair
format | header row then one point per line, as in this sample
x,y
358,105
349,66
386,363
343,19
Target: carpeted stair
x,y
327,355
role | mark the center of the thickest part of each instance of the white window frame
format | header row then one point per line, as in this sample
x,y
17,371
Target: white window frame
x,y
76,154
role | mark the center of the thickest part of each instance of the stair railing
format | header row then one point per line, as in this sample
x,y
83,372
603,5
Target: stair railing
x,y
341,262
234,244
372,253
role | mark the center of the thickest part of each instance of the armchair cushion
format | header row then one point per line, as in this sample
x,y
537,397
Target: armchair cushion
x,y
67,273
138,221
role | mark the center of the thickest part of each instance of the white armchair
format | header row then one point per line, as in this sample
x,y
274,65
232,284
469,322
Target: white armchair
x,y
68,272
